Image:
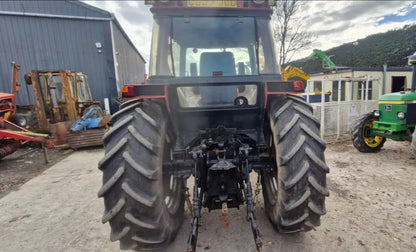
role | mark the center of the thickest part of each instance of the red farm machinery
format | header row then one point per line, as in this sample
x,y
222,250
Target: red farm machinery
x,y
12,136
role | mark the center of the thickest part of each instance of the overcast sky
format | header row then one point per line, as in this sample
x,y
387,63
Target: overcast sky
x,y
332,22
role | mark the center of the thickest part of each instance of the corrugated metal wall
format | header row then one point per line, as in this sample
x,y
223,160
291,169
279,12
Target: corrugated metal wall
x,y
131,66
39,43
45,43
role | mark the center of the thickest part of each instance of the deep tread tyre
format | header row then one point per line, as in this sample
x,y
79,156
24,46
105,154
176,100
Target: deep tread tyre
x,y
294,195
361,139
143,205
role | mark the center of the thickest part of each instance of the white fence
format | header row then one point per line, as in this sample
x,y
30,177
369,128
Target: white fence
x,y
336,117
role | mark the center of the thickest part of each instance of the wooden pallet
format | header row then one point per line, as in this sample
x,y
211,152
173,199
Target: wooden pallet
x,y
86,138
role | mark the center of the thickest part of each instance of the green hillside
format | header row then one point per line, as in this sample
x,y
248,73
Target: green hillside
x,y
391,47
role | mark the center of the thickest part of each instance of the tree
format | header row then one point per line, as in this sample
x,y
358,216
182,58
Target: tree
x,y
289,30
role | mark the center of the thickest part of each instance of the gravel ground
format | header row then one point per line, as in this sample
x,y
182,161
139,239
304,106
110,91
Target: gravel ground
x,y
372,207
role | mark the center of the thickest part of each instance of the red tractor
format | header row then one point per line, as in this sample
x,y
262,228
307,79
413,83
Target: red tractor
x,y
214,109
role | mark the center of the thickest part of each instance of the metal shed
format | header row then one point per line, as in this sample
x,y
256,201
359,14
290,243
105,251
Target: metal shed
x,y
67,35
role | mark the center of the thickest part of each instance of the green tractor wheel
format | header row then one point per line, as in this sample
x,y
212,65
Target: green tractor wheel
x,y
362,138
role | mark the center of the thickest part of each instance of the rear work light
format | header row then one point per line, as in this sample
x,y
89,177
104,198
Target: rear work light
x,y
128,91
298,86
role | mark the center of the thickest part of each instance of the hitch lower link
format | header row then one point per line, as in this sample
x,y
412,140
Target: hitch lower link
x,y
197,203
250,215
193,236
196,210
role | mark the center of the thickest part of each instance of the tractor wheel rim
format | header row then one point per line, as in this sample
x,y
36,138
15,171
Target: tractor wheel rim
x,y
172,191
371,141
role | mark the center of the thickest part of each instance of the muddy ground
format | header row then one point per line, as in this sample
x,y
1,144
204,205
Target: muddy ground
x,y
24,164
372,207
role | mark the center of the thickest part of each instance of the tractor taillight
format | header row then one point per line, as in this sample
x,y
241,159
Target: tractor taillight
x,y
298,86
128,91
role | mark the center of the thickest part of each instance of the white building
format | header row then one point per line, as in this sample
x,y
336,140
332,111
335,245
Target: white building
x,y
381,81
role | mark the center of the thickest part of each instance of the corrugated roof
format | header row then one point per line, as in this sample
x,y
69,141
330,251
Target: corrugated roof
x,y
75,8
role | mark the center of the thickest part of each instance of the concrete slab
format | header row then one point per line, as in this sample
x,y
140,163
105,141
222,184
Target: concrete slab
x,y
58,210
371,208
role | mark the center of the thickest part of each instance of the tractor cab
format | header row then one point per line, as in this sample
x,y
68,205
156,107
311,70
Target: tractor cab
x,y
209,55
237,43
212,39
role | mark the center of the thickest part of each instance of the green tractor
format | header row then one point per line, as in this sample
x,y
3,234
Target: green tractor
x,y
394,119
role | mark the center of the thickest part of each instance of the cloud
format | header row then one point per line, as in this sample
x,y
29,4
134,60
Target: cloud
x,y
332,22
335,30
406,13
135,13
338,22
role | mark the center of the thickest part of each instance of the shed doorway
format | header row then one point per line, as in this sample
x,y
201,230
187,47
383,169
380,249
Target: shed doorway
x,y
398,83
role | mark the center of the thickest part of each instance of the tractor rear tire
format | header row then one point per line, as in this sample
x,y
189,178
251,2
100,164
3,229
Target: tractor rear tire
x,y
294,192
361,139
143,204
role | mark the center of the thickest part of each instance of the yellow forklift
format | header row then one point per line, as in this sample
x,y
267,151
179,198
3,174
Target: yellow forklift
x,y
63,97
